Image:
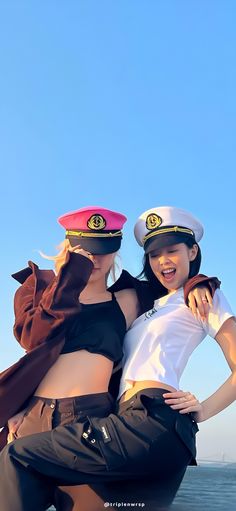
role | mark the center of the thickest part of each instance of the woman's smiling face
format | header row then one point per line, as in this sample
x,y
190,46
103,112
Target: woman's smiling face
x,y
171,264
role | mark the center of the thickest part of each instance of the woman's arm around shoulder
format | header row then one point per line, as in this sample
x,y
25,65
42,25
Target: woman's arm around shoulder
x,y
198,293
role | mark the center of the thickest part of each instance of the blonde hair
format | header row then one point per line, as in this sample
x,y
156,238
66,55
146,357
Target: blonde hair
x,y
60,258
115,268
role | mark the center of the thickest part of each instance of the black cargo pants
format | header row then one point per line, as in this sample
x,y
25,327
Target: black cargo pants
x,y
146,439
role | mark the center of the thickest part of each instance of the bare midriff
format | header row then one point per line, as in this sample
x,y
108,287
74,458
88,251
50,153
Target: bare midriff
x,y
144,384
76,374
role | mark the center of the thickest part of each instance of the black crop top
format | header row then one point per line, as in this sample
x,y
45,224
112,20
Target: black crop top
x,y
99,328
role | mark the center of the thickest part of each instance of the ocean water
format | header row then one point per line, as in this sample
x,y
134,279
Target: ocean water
x,y
207,488
204,488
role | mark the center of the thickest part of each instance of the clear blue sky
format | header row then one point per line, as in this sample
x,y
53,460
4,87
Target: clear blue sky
x,y
129,105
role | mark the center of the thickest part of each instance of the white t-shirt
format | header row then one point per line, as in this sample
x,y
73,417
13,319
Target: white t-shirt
x,y
160,342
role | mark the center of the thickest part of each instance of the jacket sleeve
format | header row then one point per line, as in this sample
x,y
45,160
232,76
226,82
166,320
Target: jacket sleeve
x,y
36,320
200,280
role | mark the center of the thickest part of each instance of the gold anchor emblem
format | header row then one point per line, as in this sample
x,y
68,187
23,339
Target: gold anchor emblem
x,y
152,221
96,222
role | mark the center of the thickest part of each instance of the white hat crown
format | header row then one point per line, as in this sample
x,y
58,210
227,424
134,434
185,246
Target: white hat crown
x,y
158,220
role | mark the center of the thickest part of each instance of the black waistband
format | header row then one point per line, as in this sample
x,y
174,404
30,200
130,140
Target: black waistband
x,y
151,392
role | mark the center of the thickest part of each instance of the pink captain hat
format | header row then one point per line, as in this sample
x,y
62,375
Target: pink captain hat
x,y
94,228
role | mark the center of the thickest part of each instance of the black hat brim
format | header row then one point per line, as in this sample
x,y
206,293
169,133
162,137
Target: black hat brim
x,y
165,240
98,246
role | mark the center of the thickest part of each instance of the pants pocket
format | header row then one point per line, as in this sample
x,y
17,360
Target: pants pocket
x,y
17,434
32,420
186,429
103,435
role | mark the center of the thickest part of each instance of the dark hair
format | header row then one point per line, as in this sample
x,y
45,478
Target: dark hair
x,y
148,274
196,263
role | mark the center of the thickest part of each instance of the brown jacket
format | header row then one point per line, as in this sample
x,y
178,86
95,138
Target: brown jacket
x,y
45,305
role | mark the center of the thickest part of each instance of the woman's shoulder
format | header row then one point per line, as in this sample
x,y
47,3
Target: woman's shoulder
x,y
142,288
218,313
31,273
129,304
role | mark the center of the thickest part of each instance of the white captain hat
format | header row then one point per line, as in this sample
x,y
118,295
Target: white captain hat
x,y
166,225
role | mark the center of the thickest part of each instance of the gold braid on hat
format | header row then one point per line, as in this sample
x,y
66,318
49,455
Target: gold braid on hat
x,y
89,234
167,230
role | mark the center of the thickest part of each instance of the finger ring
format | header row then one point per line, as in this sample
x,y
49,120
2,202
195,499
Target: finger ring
x,y
204,300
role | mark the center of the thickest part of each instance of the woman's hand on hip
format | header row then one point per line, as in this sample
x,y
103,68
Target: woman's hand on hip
x,y
184,402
